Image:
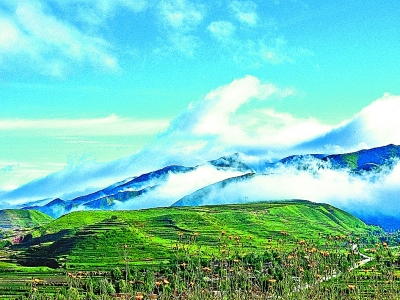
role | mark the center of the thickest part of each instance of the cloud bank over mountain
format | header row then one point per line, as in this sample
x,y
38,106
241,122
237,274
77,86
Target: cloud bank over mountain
x,y
176,186
219,125
368,195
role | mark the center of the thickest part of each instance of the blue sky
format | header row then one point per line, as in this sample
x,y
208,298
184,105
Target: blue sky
x,y
101,80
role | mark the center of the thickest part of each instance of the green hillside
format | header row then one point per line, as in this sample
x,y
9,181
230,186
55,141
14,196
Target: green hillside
x,y
94,246
92,239
22,219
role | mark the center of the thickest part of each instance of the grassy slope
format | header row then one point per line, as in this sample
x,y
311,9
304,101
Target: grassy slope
x,y
17,218
89,239
378,156
351,159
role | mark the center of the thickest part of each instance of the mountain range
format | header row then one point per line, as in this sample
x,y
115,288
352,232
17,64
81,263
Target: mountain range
x,y
232,179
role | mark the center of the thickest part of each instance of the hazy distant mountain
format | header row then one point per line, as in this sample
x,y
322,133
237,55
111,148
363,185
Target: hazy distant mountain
x,y
122,191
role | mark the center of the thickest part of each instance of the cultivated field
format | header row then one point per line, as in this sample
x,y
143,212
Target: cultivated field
x,y
266,250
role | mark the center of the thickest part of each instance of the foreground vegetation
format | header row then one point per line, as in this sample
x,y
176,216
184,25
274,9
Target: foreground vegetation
x,y
285,250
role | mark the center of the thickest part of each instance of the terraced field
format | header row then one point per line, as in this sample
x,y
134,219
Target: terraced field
x,y
80,237
18,218
95,242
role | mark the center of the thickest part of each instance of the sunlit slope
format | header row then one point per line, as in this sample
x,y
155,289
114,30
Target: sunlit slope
x,y
94,238
364,160
17,218
367,159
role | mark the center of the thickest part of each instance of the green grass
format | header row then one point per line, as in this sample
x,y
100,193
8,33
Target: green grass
x,y
18,218
92,240
351,159
82,236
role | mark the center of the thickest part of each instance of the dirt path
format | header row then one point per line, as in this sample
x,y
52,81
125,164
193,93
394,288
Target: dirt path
x,y
357,265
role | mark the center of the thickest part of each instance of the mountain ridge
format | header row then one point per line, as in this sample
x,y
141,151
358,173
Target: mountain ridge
x,y
134,192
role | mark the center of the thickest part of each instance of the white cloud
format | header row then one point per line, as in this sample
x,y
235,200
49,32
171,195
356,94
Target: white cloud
x,y
373,126
217,126
270,128
96,12
254,41
134,5
275,52
245,12
380,117
180,18
367,196
222,103
271,51
184,43
264,50
179,185
13,173
70,139
110,5
32,37
109,126
221,30
181,15
10,36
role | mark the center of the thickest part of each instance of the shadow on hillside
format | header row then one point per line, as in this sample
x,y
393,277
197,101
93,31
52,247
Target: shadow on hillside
x,y
44,250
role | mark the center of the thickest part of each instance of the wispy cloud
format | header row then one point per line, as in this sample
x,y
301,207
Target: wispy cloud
x,y
71,139
95,13
245,12
222,30
181,18
181,15
253,39
266,50
183,43
109,126
57,38
32,37
373,126
13,173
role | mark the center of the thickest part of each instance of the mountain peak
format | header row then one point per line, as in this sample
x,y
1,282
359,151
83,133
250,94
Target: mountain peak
x,y
234,161
239,178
